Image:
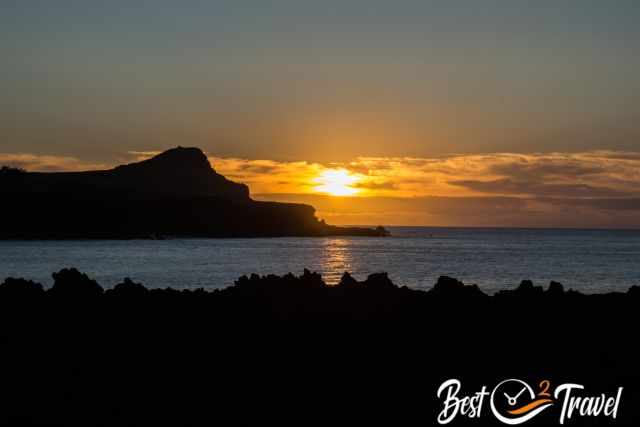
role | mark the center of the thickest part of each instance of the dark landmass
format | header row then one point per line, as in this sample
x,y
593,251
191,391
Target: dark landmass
x,y
176,193
289,350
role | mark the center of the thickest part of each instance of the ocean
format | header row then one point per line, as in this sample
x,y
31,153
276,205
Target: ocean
x,y
591,261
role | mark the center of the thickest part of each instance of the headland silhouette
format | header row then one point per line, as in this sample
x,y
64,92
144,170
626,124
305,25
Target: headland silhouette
x,y
176,193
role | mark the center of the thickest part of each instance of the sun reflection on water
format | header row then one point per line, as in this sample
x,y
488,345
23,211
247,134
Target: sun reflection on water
x,y
337,258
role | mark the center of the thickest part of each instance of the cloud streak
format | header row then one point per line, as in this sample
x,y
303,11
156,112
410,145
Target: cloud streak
x,y
48,163
532,188
571,175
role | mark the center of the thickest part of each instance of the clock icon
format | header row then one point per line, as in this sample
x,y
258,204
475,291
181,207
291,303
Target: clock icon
x,y
513,402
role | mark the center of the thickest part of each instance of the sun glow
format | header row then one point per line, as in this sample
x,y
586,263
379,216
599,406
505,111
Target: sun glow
x,y
336,182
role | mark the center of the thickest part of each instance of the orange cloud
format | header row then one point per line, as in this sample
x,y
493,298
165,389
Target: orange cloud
x,y
269,176
579,175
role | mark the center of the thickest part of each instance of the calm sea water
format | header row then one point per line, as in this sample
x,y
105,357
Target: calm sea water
x,y
587,260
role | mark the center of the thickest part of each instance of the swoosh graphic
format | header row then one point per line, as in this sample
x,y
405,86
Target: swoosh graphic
x,y
529,407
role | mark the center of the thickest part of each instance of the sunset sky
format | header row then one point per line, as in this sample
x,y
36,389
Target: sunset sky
x,y
480,113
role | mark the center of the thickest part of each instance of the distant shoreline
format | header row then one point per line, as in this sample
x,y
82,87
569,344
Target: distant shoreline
x,y
362,231
187,237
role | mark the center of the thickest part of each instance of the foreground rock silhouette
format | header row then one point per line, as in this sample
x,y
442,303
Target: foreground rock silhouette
x,y
176,193
291,350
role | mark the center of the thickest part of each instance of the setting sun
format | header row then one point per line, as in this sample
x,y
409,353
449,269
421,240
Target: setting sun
x,y
336,182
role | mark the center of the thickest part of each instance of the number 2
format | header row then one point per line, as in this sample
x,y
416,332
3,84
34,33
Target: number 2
x,y
544,388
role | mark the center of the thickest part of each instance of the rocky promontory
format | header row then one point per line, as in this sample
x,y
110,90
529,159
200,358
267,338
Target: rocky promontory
x,y
176,193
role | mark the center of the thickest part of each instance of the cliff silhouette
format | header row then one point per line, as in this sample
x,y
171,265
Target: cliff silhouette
x,y
176,193
290,350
